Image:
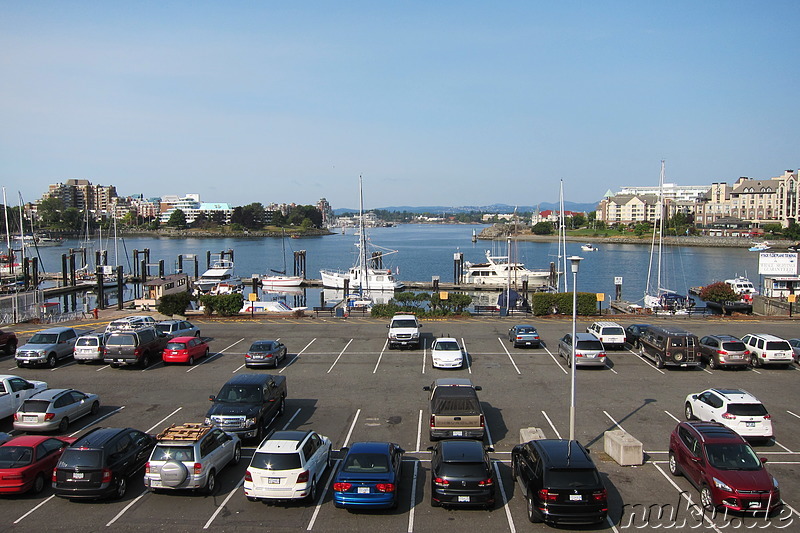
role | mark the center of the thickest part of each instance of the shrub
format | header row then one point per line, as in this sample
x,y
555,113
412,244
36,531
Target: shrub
x,y
719,292
223,304
545,303
174,304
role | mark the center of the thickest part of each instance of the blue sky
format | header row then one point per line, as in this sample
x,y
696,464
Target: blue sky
x,y
434,103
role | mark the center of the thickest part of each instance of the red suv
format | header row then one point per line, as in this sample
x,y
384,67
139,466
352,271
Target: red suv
x,y
723,467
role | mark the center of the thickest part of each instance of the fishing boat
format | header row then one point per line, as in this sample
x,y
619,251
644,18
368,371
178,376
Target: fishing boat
x,y
589,247
760,246
221,273
279,278
367,273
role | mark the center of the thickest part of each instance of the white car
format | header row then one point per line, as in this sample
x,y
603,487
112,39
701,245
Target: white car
x,y
611,334
446,353
735,408
768,349
288,465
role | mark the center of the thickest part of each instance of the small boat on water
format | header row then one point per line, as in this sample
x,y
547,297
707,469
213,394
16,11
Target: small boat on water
x,y
589,247
498,271
270,307
221,272
760,246
279,277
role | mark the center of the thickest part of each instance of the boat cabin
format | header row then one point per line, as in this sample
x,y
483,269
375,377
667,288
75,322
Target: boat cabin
x,y
156,288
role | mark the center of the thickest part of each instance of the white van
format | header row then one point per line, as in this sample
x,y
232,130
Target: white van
x,y
610,333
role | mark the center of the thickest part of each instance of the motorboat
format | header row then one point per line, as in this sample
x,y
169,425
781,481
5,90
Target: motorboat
x,y
589,247
220,272
498,271
760,246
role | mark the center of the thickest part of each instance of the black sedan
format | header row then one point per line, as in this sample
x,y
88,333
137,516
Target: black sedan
x,y
461,474
633,332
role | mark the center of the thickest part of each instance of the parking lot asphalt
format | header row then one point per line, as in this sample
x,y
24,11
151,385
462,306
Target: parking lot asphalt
x,y
344,383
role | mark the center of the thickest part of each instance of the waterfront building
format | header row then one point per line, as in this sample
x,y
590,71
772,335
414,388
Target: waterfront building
x,y
82,195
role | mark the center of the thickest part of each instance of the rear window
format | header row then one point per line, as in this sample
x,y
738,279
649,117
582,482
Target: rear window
x,y
462,406
88,341
35,406
176,346
261,347
778,345
526,330
15,456
170,453
572,478
613,331
74,457
121,340
276,461
589,345
747,409
366,462
464,470
733,346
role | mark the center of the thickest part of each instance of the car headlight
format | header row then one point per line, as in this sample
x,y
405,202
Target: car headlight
x,y
722,486
415,335
251,421
774,482
207,421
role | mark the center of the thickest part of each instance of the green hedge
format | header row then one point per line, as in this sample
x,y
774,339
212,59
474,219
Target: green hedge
x,y
545,303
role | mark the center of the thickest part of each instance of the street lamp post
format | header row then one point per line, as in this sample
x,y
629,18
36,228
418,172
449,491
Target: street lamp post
x,y
575,261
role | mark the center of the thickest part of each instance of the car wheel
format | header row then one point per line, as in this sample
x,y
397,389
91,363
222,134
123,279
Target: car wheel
x,y
114,365
95,408
660,361
146,360
712,363
312,494
19,364
706,499
533,512
514,469
197,334
122,487
674,469
10,348
191,361
237,455
687,411
328,461
38,484
211,482
63,425
205,354
282,407
754,362
51,360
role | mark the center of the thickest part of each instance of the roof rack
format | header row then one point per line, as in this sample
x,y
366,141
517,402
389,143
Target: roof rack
x,y
188,431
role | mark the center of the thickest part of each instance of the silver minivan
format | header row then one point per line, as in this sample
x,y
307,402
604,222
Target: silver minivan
x,y
589,350
90,347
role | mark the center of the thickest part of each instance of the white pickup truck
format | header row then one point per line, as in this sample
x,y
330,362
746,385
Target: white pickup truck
x,y
14,390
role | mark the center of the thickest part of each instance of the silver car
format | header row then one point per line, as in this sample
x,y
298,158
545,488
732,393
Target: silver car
x,y
191,456
589,350
90,347
54,409
46,347
178,328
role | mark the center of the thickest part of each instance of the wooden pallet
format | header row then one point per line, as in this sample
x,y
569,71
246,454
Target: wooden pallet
x,y
189,431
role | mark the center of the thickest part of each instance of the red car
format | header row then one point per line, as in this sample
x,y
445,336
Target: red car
x,y
27,462
8,340
723,467
184,350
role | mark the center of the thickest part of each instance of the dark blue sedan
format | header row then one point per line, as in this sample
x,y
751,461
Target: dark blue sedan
x,y
369,476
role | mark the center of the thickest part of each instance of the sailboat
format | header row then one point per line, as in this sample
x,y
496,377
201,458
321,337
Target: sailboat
x,y
280,279
364,275
657,298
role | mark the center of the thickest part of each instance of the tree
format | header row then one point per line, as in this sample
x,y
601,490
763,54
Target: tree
x,y
578,221
772,228
177,219
719,292
71,219
49,212
542,228
174,304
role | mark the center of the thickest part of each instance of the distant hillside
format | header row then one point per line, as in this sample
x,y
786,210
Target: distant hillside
x,y
494,208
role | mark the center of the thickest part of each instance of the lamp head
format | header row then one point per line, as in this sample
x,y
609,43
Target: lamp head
x,y
575,260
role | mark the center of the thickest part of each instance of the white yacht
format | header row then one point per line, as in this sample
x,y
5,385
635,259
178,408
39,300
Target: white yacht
x,y
498,271
220,273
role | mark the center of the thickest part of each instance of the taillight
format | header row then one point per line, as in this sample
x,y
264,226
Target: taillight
x,y
728,416
107,476
483,422
303,477
147,467
54,476
433,421
49,416
440,482
547,496
248,476
747,352
600,495
579,354
137,352
385,487
601,354
767,417
15,416
722,352
342,487
198,469
486,482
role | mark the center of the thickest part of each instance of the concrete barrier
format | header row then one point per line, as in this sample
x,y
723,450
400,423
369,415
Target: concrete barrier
x,y
528,434
623,448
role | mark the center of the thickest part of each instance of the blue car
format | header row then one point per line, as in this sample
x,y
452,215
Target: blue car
x,y
369,476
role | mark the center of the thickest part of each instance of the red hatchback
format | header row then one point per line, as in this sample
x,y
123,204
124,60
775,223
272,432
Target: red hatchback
x,y
184,350
27,462
723,467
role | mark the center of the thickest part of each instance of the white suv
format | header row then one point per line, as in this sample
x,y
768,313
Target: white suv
x,y
611,334
403,331
130,322
768,349
190,456
288,465
735,408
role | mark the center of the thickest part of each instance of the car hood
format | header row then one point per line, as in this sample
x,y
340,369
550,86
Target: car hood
x,y
745,479
34,347
233,409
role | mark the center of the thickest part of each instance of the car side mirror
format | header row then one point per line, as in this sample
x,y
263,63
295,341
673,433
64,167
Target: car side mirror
x,y
400,450
478,387
763,460
344,449
430,448
387,326
489,448
426,388
694,396
211,398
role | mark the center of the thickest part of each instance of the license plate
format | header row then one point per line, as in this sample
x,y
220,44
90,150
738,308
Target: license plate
x,y
754,505
363,490
155,482
273,480
458,433
750,424
258,357
77,475
575,498
589,356
119,360
29,418
463,499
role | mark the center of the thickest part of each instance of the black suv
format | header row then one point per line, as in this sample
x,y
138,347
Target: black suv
x,y
99,464
461,474
560,482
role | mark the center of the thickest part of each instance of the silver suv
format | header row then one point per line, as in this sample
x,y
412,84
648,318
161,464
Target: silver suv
x,y
190,456
90,347
46,347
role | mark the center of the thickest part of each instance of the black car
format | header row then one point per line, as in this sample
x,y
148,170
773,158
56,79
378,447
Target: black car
x,y
99,464
461,474
633,332
560,482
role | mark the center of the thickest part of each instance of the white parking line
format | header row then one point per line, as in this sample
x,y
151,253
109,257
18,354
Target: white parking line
x,y
794,415
224,503
614,421
339,356
163,420
784,447
552,425
102,368
297,355
684,494
204,361
505,499
36,507
508,354
413,493
466,354
73,362
648,363
352,426
125,509
380,356
419,429
322,495
424,355
556,362
672,416
115,411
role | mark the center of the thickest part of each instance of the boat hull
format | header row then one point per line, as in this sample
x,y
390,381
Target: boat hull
x,y
376,279
281,281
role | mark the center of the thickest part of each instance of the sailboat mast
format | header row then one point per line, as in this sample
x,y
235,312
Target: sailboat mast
x,y
561,265
362,238
660,221
8,230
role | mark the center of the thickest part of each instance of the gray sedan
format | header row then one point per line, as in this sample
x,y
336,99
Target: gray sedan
x,y
54,409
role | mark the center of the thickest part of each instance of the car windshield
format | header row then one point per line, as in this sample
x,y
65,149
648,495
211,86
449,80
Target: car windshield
x,y
464,470
173,453
44,338
276,461
375,463
239,394
87,341
176,346
75,457
572,478
613,331
590,345
733,346
450,346
778,345
35,406
261,347
404,324
526,330
15,456
121,340
747,409
738,456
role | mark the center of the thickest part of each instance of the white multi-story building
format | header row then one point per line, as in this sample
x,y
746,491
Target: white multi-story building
x,y
671,191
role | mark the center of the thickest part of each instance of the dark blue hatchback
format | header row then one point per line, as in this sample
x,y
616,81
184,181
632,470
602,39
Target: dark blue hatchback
x,y
369,476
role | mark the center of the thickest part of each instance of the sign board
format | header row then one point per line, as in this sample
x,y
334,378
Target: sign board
x,y
618,280
252,297
601,296
443,295
108,270
777,264
791,298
